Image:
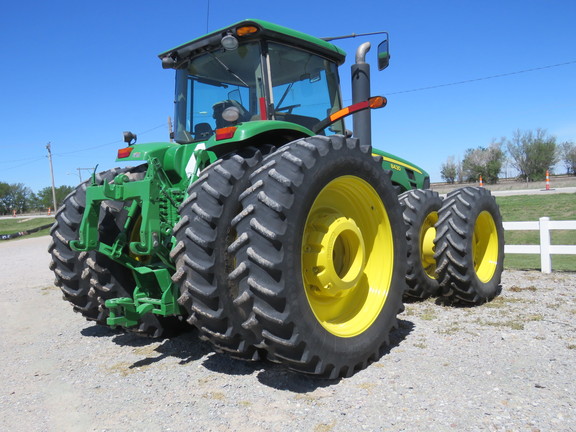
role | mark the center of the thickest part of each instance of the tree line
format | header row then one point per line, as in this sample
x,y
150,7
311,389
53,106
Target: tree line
x,y
531,153
16,197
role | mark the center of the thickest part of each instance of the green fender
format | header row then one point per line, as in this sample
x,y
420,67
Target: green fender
x,y
404,174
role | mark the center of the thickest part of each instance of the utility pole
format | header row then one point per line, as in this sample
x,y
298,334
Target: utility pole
x,y
52,175
170,131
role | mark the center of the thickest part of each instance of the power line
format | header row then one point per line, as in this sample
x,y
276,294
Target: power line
x,y
24,164
28,161
482,78
107,144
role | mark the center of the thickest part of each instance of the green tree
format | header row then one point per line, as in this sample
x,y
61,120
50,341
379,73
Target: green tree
x,y
532,153
449,170
568,154
45,196
4,198
485,162
15,196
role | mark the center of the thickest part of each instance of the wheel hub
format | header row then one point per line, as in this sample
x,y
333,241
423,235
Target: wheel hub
x,y
485,246
427,235
347,256
335,254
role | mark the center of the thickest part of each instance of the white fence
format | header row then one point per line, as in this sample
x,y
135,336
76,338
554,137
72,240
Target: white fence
x,y
544,249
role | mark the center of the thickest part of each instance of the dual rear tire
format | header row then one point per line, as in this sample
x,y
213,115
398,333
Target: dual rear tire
x,y
299,256
455,245
203,260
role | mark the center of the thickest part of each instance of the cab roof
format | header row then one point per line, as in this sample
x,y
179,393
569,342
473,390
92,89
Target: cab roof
x,y
264,30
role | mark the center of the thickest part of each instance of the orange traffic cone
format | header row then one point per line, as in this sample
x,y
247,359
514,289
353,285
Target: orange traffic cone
x,y
49,212
547,180
481,182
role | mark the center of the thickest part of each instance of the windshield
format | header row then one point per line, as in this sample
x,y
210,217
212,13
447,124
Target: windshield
x,y
305,87
224,88
212,83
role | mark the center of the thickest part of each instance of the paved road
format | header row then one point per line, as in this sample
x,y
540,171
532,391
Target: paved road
x,y
26,217
534,191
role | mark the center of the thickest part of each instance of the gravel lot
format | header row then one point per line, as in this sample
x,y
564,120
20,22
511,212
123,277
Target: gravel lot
x,y
509,365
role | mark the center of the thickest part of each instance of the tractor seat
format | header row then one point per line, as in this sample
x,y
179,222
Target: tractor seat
x,y
202,131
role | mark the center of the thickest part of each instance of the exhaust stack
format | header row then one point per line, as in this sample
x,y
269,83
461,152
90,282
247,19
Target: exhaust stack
x,y
362,120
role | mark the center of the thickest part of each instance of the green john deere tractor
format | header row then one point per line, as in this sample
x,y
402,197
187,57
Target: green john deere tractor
x,y
267,224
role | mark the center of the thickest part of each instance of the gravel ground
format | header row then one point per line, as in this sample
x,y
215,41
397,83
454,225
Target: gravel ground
x,y
505,366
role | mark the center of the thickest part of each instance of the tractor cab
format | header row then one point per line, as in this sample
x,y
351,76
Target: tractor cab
x,y
231,81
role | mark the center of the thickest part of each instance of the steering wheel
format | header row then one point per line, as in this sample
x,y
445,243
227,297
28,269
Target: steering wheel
x,y
288,108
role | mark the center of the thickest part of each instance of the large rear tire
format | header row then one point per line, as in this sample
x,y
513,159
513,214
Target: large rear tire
x,y
203,262
469,246
420,210
77,272
321,256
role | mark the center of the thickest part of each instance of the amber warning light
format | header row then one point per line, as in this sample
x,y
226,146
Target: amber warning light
x,y
246,30
125,152
225,133
372,103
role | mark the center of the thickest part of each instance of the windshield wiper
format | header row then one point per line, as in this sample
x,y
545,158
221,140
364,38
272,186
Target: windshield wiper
x,y
229,70
279,104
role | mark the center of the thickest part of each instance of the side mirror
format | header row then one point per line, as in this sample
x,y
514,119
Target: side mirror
x,y
383,54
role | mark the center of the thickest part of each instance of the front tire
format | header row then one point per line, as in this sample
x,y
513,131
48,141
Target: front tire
x,y
469,246
321,255
420,210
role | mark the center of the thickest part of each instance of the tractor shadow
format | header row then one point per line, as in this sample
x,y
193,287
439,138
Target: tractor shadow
x,y
280,378
185,345
188,348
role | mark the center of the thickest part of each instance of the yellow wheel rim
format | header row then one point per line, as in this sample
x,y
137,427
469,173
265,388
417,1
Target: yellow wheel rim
x,y
485,246
427,235
347,256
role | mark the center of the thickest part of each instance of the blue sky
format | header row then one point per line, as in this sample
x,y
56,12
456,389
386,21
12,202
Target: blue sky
x,y
77,74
